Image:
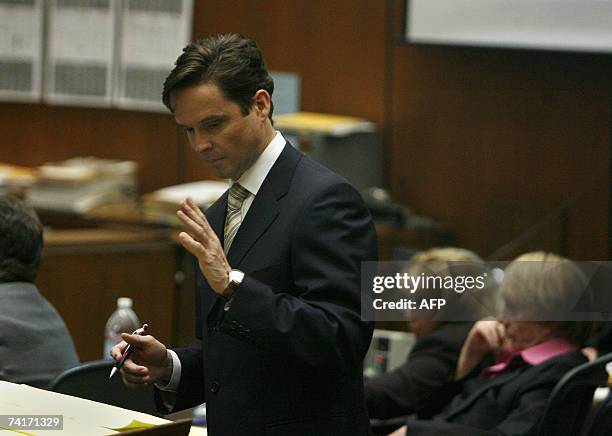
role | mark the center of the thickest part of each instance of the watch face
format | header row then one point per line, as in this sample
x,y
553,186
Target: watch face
x,y
236,276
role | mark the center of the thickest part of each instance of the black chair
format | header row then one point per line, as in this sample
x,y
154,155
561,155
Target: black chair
x,y
600,422
572,398
381,427
90,381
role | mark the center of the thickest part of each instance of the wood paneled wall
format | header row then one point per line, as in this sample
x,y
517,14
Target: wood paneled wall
x,y
337,47
32,134
482,137
494,140
488,140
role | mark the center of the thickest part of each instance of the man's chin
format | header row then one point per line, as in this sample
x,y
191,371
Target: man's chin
x,y
219,170
221,175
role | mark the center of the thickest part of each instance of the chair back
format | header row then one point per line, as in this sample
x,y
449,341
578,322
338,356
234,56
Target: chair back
x,y
601,419
90,381
572,398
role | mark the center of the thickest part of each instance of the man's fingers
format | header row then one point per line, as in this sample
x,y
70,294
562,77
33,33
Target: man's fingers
x,y
132,380
191,245
134,369
192,211
134,375
117,350
197,210
201,233
189,208
192,227
136,340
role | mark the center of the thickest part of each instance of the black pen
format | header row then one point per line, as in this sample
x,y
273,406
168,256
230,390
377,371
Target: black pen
x,y
128,350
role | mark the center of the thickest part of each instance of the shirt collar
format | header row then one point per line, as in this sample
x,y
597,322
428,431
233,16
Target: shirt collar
x,y
547,350
533,356
254,176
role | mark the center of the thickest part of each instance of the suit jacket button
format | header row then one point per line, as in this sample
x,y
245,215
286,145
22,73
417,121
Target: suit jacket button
x,y
214,387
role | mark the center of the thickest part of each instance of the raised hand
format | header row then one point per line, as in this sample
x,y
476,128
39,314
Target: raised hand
x,y
201,241
485,337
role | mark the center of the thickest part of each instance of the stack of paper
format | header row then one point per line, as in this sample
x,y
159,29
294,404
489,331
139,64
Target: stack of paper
x,y
161,206
15,178
79,184
80,417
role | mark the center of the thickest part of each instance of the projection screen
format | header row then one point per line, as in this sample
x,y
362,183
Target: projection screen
x,y
573,25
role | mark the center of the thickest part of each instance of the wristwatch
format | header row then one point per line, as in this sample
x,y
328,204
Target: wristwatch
x,y
235,279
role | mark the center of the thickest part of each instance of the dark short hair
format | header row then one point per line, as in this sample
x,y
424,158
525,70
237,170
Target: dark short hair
x,y
21,241
233,62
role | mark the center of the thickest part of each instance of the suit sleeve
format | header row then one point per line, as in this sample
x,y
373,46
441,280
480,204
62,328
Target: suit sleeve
x,y
318,321
190,393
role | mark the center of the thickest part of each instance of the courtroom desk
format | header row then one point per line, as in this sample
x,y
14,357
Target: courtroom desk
x,y
84,271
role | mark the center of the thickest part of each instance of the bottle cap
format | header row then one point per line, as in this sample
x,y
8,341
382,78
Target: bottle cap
x,y
124,302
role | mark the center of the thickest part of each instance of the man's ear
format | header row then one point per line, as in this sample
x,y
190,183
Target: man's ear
x,y
261,103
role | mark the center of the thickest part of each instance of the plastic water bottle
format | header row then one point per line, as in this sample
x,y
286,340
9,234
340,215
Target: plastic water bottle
x,y
122,320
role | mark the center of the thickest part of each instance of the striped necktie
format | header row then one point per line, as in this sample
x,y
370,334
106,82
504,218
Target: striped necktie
x,y
237,195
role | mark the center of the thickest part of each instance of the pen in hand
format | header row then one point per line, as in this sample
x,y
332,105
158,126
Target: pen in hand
x,y
128,350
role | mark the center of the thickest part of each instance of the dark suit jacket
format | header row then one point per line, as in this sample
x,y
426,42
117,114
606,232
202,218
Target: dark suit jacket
x,y
510,404
286,359
412,387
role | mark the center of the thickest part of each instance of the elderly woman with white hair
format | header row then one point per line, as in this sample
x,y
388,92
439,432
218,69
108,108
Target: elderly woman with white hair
x,y
508,368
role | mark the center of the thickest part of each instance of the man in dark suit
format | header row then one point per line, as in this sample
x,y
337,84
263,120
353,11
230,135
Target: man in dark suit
x,y
280,340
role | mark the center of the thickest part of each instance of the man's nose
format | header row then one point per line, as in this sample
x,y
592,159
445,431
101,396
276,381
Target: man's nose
x,y
201,143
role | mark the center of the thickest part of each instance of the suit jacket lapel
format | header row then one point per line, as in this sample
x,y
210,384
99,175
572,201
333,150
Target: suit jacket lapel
x,y
216,215
261,215
265,208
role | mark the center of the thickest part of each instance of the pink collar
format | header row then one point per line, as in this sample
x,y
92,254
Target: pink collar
x,y
533,356
547,350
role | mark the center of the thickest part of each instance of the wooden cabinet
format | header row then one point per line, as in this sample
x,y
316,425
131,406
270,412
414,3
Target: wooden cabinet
x,y
84,271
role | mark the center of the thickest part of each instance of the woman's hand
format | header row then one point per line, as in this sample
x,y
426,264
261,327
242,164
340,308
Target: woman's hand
x,y
485,337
